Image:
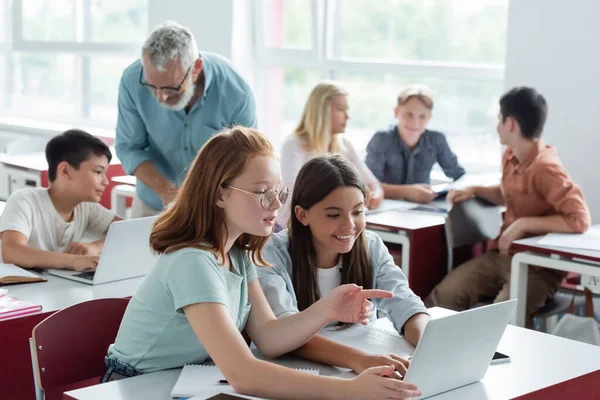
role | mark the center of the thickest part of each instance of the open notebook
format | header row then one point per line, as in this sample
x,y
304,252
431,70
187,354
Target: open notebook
x,y
10,273
370,339
203,381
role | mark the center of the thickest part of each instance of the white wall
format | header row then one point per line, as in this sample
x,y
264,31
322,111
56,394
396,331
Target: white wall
x,y
209,20
219,26
553,46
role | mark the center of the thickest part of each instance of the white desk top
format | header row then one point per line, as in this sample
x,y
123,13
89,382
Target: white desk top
x,y
568,251
405,220
125,179
534,365
59,293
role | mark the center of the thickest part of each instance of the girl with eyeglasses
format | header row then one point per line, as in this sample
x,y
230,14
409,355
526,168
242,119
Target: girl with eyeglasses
x,y
327,246
203,291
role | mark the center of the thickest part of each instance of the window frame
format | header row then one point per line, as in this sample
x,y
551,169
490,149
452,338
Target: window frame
x,y
325,21
82,49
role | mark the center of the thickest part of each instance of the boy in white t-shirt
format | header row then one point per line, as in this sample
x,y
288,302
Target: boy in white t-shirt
x,y
43,227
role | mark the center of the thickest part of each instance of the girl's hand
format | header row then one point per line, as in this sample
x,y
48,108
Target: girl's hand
x,y
348,303
367,361
378,383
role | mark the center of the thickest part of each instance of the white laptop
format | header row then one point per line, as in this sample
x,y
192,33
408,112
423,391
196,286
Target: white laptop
x,y
126,254
456,350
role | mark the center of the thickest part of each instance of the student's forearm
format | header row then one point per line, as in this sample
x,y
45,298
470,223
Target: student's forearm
x,y
98,245
394,191
149,175
376,187
414,327
28,257
325,351
542,225
273,381
493,194
292,331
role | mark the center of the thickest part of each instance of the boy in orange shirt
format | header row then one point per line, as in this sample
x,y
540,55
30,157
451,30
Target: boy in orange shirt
x,y
540,198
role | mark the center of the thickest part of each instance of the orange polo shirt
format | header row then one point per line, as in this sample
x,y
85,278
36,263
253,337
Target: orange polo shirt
x,y
539,186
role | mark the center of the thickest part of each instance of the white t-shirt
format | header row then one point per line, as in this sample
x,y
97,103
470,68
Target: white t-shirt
x,y
31,212
293,157
328,279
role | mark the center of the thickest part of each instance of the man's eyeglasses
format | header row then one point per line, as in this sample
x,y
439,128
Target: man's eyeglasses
x,y
266,198
167,89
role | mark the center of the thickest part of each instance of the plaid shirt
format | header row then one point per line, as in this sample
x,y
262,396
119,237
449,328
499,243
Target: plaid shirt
x,y
391,161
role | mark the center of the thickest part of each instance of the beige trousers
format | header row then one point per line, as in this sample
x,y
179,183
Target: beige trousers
x,y
486,278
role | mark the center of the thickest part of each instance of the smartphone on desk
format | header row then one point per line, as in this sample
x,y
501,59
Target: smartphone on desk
x,y
499,358
441,190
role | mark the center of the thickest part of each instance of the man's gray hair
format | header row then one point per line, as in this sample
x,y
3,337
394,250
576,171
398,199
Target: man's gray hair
x,y
169,41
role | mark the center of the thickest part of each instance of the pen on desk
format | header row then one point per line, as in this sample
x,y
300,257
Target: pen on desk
x,y
223,382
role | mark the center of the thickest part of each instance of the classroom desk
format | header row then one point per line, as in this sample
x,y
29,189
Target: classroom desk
x,y
16,379
122,195
542,366
423,241
586,262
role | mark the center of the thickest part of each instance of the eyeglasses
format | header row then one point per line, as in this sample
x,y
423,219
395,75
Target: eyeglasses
x,y
266,198
167,89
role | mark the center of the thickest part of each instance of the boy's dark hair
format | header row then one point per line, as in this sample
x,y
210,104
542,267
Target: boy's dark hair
x,y
527,107
73,146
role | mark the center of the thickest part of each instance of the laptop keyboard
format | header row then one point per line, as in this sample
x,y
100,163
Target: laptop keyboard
x,y
86,275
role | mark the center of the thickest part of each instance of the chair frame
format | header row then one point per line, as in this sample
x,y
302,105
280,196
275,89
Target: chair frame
x,y
61,345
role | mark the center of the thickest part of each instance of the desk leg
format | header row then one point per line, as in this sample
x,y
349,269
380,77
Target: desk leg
x,y
118,204
428,259
518,288
402,239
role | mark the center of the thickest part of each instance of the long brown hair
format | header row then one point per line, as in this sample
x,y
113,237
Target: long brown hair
x,y
194,220
317,178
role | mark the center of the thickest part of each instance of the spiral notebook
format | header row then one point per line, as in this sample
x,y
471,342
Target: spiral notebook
x,y
203,380
370,339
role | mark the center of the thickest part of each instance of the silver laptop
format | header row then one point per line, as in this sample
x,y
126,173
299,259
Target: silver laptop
x,y
126,254
456,350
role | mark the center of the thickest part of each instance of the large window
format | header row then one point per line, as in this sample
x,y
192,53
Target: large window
x,y
374,48
61,60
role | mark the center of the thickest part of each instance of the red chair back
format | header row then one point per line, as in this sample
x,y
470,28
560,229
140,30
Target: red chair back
x,y
70,345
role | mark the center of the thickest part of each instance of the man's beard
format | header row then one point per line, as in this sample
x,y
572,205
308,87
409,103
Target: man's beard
x,y
186,96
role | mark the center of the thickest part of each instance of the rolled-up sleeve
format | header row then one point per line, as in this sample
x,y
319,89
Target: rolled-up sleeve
x,y
554,184
131,136
447,159
375,158
389,276
245,115
274,285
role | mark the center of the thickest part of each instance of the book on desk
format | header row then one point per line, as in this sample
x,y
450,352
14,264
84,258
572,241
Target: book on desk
x,y
11,307
11,274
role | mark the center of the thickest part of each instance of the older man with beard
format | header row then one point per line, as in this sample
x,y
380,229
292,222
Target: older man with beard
x,y
170,102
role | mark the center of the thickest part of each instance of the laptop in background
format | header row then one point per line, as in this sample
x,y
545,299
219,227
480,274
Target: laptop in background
x,y
126,254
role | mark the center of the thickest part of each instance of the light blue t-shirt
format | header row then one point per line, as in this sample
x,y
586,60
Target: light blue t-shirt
x,y
155,333
147,131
